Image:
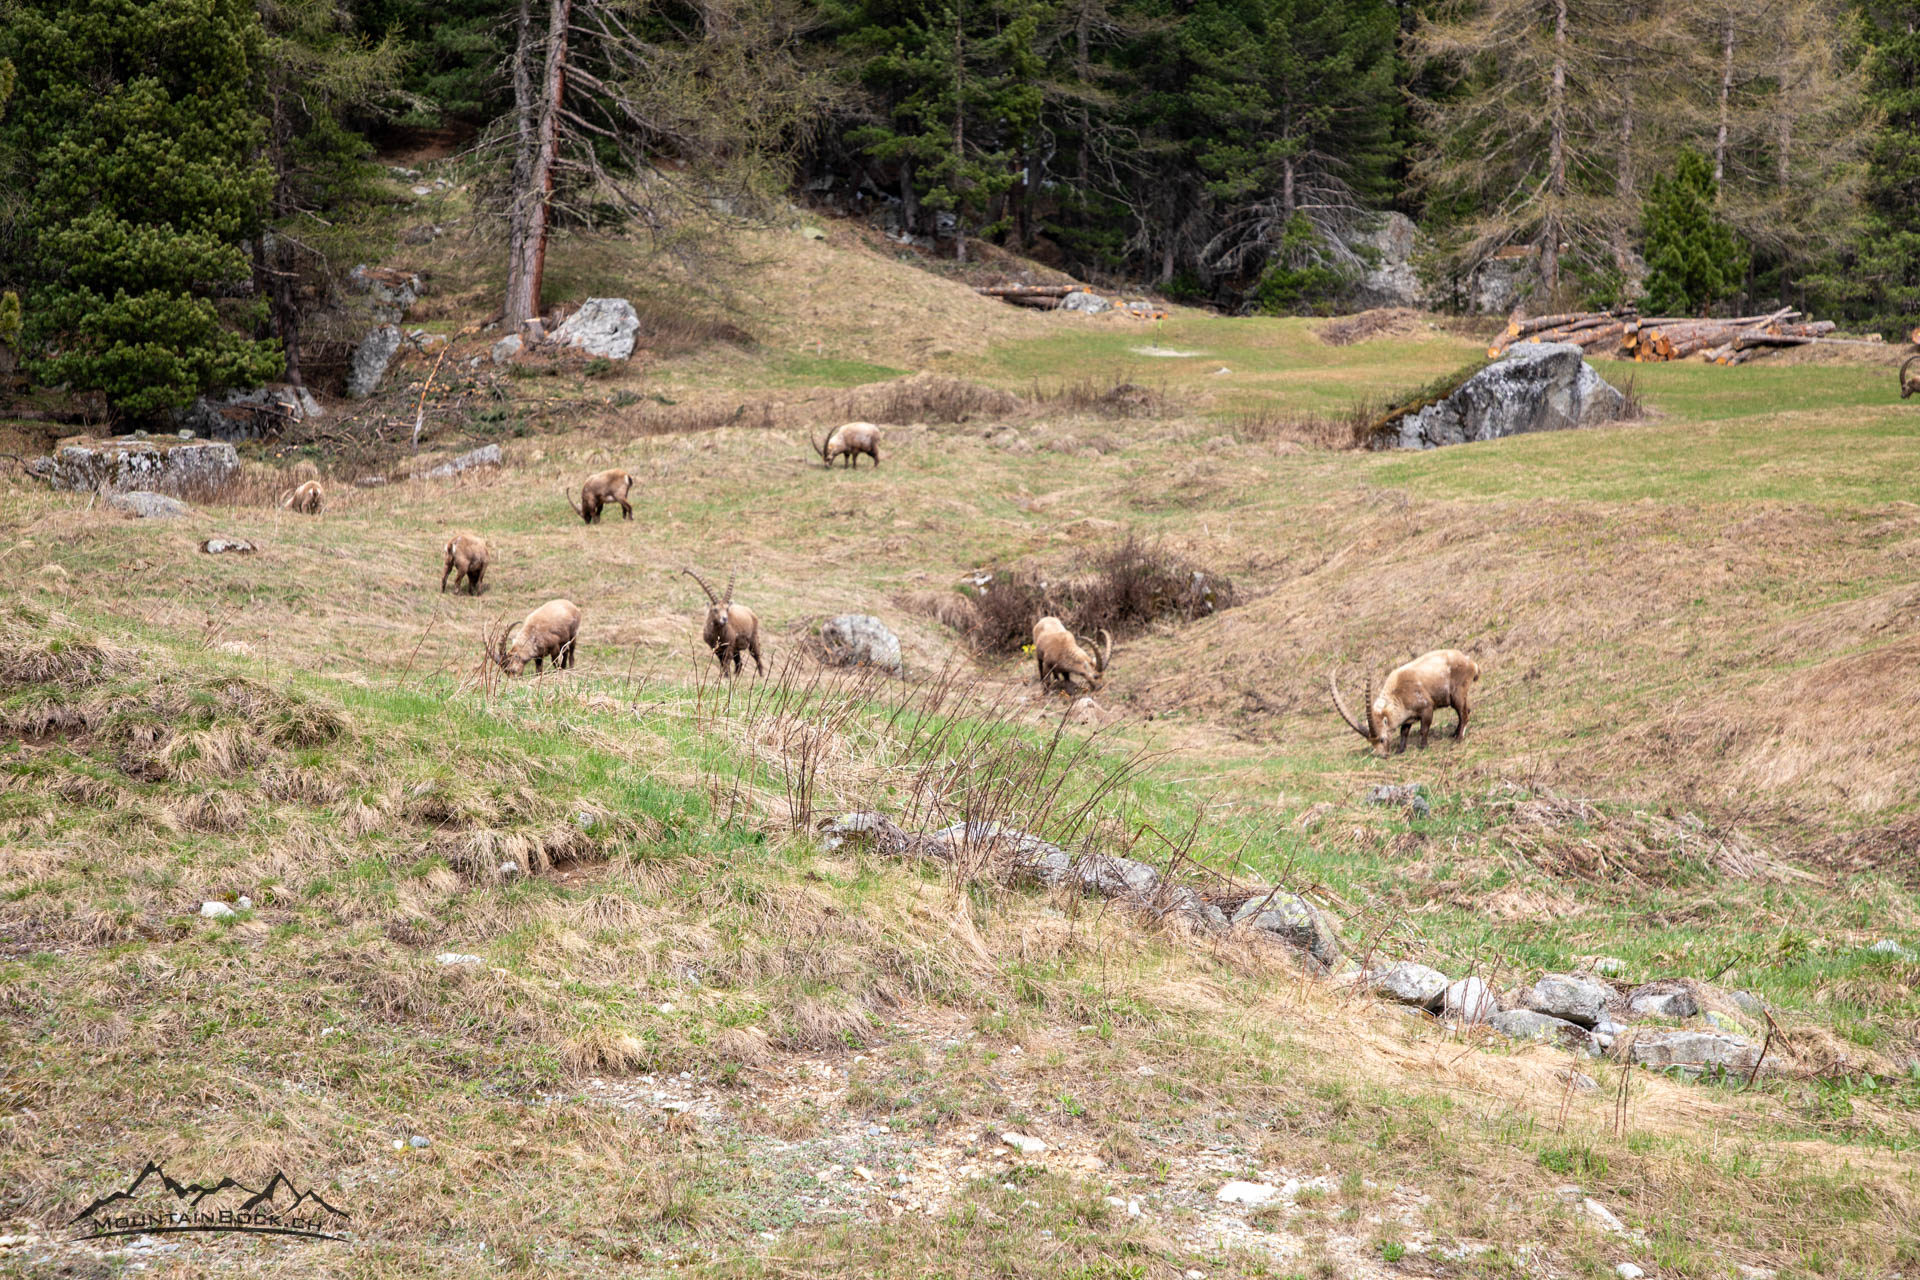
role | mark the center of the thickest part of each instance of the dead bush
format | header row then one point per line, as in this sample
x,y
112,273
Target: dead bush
x,y
1117,397
1315,429
1124,589
925,397
1377,323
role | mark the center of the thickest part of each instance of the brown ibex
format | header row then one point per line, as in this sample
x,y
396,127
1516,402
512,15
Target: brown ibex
x,y
1442,678
1909,383
549,633
466,558
1061,656
307,499
730,627
849,441
598,491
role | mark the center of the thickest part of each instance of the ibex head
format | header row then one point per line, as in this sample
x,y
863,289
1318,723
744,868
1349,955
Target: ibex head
x,y
1101,654
719,607
1373,732
1909,383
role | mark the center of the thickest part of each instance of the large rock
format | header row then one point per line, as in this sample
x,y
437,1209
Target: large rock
x,y
1387,244
1526,1024
1694,1051
392,291
1085,301
142,505
1538,386
1469,1000
250,414
370,360
1574,999
605,327
159,466
1666,998
487,455
1294,919
1411,983
859,639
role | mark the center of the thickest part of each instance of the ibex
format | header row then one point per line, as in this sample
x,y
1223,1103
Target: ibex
x,y
466,558
849,441
1908,383
730,627
1060,655
307,499
598,491
548,633
1443,678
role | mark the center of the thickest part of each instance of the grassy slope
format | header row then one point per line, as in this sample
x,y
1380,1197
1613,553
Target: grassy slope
x,y
1627,590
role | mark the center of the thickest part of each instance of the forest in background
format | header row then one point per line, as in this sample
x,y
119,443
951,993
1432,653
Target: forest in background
x,y
185,181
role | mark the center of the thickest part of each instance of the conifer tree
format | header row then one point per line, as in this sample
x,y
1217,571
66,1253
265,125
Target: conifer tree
x,y
1693,259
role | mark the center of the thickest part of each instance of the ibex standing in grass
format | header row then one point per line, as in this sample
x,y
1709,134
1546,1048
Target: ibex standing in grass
x,y
1443,678
850,441
1061,656
730,627
598,491
466,558
1909,383
307,499
549,633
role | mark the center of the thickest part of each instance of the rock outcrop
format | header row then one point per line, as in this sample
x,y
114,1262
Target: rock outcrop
x,y
127,462
370,360
859,639
1545,386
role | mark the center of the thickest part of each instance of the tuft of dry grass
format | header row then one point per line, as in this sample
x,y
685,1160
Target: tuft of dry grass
x,y
1377,323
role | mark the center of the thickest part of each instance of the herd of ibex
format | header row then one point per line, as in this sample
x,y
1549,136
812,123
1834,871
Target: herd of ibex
x,y
1411,693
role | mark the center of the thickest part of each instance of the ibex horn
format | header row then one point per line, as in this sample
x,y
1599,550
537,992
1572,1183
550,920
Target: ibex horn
x,y
727,598
711,598
1340,705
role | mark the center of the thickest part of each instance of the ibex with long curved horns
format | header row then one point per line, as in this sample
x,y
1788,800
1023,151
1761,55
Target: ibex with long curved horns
x,y
1909,383
849,441
731,628
1442,678
1061,657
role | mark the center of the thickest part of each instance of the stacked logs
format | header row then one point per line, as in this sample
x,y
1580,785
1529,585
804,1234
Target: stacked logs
x,y
1658,338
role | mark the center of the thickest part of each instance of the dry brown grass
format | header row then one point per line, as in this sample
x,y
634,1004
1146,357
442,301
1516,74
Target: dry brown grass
x,y
1379,322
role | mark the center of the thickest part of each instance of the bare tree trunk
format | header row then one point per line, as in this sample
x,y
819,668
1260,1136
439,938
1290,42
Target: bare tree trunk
x,y
1556,154
272,263
959,143
909,199
1726,99
529,222
1286,188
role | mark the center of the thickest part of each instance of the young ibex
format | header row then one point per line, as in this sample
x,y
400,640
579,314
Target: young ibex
x,y
548,633
307,499
466,558
598,491
1909,383
730,627
1061,656
849,441
1443,678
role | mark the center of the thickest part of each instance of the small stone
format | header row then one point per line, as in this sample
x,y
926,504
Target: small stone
x,y
1527,1024
419,1142
1748,1003
1249,1193
1145,1071
1571,998
185,433
509,869
1603,1217
863,1173
1411,983
216,911
244,903
149,506
1608,966
506,349
1469,1000
1025,1145
667,1007
1411,796
1888,947
1196,1275
227,546
1627,1271
456,957
1665,999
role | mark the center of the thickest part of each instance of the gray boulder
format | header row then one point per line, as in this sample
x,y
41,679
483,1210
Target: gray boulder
x,y
1469,1000
1387,244
370,360
1411,983
1538,386
487,455
1527,1024
859,639
1571,998
1085,301
1411,796
605,327
157,466
1498,283
249,414
228,546
507,348
392,291
1666,998
142,505
1295,920
1694,1051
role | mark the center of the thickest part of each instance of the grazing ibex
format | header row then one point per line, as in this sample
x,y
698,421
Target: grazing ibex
x,y
1443,678
730,627
1909,383
1061,656
548,633
466,558
307,499
598,491
849,441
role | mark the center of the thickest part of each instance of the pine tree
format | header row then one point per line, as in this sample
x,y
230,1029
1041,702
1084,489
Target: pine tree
x,y
1693,259
146,175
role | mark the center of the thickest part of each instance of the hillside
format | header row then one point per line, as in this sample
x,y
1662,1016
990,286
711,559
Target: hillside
x,y
682,1035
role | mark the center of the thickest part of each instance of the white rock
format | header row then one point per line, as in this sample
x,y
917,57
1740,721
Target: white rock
x,y
1468,1000
1238,1192
216,911
507,348
1603,1216
1025,1145
1627,1271
419,1142
605,327
456,957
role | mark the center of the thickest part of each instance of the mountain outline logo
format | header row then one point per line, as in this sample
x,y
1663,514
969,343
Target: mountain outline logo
x,y
126,1212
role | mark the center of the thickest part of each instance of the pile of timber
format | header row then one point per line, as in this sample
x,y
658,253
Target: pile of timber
x,y
1629,335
